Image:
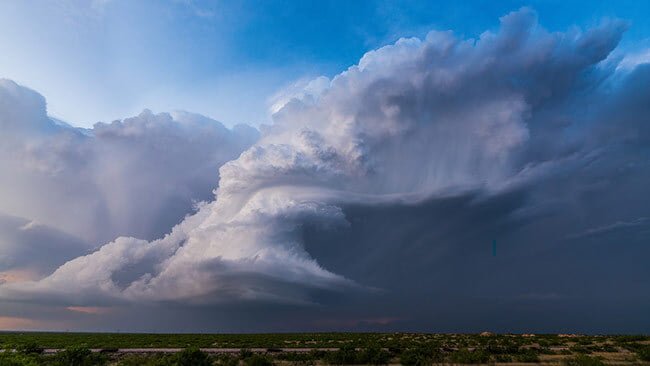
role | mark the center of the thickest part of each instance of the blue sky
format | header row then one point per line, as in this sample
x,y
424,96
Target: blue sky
x,y
108,59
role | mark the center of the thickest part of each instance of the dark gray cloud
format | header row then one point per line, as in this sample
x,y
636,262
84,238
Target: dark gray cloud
x,y
29,249
373,200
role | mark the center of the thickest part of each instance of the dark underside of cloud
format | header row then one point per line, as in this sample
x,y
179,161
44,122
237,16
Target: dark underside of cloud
x,y
439,185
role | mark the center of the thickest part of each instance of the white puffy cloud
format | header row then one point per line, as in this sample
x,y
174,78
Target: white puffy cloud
x,y
83,187
413,121
138,176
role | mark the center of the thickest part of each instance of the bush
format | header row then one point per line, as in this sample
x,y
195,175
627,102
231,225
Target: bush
x,y
29,349
78,356
374,356
603,348
146,360
192,357
258,360
579,349
17,359
632,338
227,360
503,358
527,356
346,355
245,353
302,357
608,348
414,358
495,348
583,360
644,353
466,356
421,356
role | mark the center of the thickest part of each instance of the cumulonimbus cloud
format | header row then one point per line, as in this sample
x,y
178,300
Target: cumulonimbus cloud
x,y
413,121
138,176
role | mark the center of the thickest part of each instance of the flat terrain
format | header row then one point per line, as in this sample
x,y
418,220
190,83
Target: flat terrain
x,y
327,348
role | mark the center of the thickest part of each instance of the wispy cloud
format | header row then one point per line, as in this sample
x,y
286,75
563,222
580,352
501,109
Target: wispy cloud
x,y
618,225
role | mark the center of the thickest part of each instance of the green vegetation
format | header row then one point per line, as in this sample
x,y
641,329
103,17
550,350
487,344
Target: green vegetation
x,y
78,356
471,357
192,357
421,356
644,353
71,356
81,349
348,355
29,349
528,355
583,360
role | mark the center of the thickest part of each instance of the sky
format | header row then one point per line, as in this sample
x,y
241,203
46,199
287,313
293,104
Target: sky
x,y
101,60
189,166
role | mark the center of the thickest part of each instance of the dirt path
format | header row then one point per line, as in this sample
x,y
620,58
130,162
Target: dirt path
x,y
207,350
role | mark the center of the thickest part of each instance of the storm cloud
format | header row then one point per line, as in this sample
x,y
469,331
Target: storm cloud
x,y
138,176
383,186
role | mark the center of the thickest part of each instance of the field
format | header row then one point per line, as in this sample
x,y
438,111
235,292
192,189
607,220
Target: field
x,y
320,349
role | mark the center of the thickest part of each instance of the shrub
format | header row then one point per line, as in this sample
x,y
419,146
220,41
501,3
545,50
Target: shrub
x,y
421,356
632,338
466,356
258,360
146,360
346,355
496,348
583,360
192,357
503,358
78,356
227,360
579,349
17,359
374,356
302,357
603,348
543,350
414,358
527,355
644,353
29,349
395,350
245,353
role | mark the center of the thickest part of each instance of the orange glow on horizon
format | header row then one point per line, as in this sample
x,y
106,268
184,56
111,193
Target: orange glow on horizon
x,y
18,323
